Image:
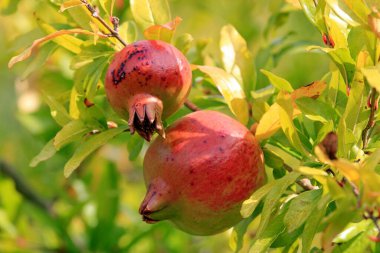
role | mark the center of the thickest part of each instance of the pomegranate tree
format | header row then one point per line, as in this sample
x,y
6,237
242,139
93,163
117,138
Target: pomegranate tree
x,y
199,175
146,82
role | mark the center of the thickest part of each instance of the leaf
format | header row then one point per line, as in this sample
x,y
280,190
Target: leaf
x,y
264,240
70,4
353,12
184,42
286,121
237,59
278,82
300,209
57,110
232,92
308,171
47,152
288,158
69,133
134,146
89,146
352,230
315,109
128,32
312,224
372,74
163,32
107,6
150,12
28,52
273,197
313,90
315,13
249,205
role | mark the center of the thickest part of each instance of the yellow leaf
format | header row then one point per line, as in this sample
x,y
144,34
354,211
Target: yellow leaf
x,y
162,32
70,4
231,90
28,52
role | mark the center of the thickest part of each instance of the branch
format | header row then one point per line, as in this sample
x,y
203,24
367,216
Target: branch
x,y
95,14
305,183
371,119
24,189
191,106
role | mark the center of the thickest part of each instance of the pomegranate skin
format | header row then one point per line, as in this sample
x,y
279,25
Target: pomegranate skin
x,y
201,173
146,82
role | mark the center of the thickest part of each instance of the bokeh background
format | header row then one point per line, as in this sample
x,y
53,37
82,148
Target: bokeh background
x,y
96,209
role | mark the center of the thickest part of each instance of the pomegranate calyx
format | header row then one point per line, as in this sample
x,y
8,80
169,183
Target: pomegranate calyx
x,y
145,116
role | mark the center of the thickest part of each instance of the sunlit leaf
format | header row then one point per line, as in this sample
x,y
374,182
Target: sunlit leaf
x,y
250,204
353,12
237,59
70,4
28,52
128,31
107,6
231,91
308,171
163,32
89,146
280,83
184,42
372,74
150,12
47,152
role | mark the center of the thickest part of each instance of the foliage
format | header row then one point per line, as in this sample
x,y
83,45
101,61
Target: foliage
x,y
313,106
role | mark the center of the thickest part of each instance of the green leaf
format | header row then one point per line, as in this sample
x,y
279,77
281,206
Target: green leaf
x,y
315,13
316,110
353,12
312,224
128,31
71,132
47,152
58,110
278,82
91,52
267,237
232,92
134,146
272,199
300,209
372,74
184,42
89,146
286,120
352,230
70,4
150,12
249,205
237,58
107,6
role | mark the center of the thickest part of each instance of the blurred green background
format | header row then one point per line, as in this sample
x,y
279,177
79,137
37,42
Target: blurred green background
x,y
96,209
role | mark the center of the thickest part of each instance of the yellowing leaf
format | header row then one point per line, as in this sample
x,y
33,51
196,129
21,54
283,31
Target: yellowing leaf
x,y
231,90
308,171
150,12
70,4
95,29
237,59
278,82
128,31
372,74
28,52
312,90
162,32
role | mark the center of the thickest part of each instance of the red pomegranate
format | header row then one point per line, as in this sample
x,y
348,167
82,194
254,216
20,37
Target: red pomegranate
x,y
201,173
148,81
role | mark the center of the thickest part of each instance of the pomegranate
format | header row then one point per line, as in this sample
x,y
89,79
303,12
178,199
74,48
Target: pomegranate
x,y
201,173
146,82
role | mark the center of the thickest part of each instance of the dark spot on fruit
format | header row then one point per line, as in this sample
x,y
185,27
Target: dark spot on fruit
x,y
192,184
172,159
229,178
221,149
204,141
191,171
163,78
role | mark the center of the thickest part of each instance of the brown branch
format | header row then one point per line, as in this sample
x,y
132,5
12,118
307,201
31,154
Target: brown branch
x,y
371,119
305,183
24,189
191,106
95,14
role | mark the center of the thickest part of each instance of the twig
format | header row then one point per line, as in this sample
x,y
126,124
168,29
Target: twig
x,y
305,183
191,106
371,119
95,14
24,189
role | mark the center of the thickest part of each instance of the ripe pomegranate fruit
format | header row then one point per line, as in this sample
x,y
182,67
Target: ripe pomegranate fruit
x,y
201,173
148,81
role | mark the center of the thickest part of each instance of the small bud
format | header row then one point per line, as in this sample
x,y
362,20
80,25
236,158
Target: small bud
x,y
88,103
348,89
